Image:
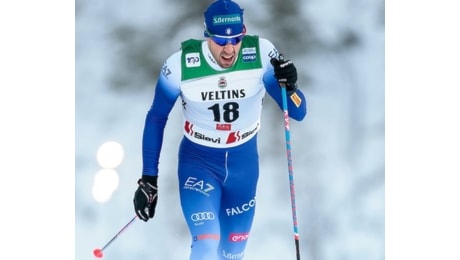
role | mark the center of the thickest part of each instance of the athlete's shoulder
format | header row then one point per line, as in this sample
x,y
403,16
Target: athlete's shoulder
x,y
191,45
171,69
174,58
267,48
267,51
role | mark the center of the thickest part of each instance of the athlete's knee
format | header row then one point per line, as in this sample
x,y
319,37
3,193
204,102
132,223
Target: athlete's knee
x,y
226,254
233,247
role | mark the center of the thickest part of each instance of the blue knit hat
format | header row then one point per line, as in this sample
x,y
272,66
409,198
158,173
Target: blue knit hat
x,y
223,18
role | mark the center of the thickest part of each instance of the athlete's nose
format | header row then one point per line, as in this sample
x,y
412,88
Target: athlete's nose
x,y
228,48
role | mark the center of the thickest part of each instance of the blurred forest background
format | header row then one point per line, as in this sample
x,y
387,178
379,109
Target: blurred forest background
x,y
338,150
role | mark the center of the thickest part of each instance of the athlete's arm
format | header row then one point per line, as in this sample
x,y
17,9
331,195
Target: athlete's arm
x,y
166,93
296,102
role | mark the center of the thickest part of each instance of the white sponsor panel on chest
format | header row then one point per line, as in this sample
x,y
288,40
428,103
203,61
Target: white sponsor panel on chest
x,y
227,86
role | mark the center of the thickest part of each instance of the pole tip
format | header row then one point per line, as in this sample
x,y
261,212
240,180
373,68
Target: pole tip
x,y
98,253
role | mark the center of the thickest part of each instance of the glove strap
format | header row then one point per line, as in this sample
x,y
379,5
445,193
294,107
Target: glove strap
x,y
149,179
149,183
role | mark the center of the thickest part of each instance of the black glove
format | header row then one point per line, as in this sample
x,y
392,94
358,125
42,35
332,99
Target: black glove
x,y
145,197
285,72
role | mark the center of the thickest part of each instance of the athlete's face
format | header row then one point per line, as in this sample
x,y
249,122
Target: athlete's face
x,y
225,51
225,55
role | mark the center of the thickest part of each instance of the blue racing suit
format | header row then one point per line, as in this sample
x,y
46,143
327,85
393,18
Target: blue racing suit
x,y
218,165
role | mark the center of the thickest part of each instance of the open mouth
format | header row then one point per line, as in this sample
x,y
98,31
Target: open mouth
x,y
227,58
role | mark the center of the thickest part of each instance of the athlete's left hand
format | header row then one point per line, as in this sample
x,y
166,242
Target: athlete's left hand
x,y
285,72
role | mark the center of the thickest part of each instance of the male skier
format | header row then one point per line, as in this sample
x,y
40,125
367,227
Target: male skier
x,y
221,81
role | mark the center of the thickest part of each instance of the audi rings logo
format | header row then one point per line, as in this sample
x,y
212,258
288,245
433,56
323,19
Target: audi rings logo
x,y
200,216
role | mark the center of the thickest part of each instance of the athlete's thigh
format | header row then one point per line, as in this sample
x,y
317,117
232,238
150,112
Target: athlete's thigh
x,y
238,202
239,188
200,195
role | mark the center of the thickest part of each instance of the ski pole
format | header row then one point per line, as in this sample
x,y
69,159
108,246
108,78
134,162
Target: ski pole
x,y
98,252
290,167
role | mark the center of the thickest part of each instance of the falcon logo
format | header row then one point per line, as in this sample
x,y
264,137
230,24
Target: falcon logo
x,y
241,209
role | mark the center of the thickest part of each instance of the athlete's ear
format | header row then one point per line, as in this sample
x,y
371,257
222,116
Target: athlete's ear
x,y
244,29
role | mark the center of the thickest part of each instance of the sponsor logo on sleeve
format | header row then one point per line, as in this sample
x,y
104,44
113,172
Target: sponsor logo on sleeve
x,y
296,99
165,70
273,53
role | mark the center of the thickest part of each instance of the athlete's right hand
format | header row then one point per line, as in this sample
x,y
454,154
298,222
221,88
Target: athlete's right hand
x,y
145,197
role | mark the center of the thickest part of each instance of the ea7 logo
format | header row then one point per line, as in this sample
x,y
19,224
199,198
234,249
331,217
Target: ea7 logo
x,y
193,183
165,70
273,53
192,60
